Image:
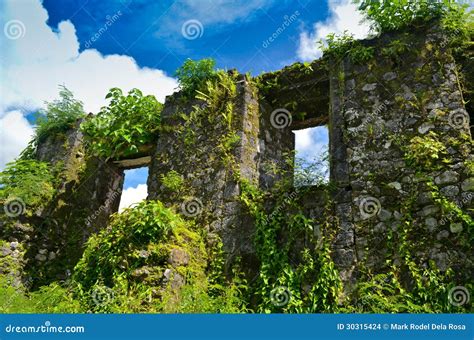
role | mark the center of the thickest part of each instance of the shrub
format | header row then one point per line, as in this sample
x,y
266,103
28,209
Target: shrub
x,y
192,74
59,115
48,299
339,46
394,15
172,180
128,265
29,180
128,123
136,227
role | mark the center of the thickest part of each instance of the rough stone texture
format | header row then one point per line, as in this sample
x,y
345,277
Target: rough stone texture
x,y
368,107
81,208
208,183
88,193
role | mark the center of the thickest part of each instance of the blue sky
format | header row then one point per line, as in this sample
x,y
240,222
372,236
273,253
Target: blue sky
x,y
233,31
91,46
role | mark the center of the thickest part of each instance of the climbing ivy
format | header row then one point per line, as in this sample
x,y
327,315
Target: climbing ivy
x,y
426,151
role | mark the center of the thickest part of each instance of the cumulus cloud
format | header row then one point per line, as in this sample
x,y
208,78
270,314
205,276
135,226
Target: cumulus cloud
x,y
38,59
210,12
15,133
311,143
343,16
132,195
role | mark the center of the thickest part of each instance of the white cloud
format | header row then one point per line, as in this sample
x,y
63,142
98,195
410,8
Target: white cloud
x,y
343,16
15,133
40,59
133,195
222,11
311,143
210,12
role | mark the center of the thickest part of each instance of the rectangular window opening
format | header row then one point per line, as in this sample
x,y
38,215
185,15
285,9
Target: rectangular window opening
x,y
135,187
311,156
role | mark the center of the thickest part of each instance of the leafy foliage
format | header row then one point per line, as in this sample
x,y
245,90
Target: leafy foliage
x,y
426,151
147,222
277,273
201,296
311,172
388,15
128,123
172,180
48,299
131,258
394,15
30,180
340,46
59,115
384,293
193,74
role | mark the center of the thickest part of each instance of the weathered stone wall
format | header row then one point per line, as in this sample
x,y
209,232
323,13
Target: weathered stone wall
x,y
51,241
209,192
376,110
379,202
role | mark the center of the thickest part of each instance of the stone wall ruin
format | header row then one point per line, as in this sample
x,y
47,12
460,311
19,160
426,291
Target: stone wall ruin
x,y
372,111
